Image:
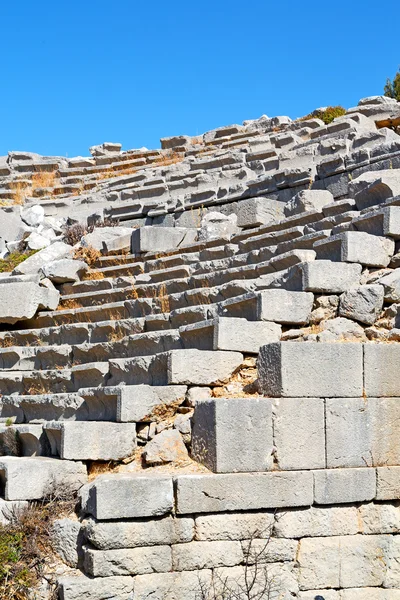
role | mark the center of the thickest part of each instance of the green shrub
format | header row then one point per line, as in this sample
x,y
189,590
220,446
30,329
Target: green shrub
x,y
327,115
15,258
392,88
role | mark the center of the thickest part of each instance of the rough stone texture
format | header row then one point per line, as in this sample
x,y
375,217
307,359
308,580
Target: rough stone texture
x,y
79,587
165,447
317,522
258,211
21,300
154,239
391,286
240,335
242,491
311,369
356,247
199,367
129,561
108,238
340,486
363,303
308,200
172,586
66,540
35,263
375,187
305,449
219,423
388,483
206,555
341,330
380,369
328,277
215,225
127,496
285,307
65,270
234,526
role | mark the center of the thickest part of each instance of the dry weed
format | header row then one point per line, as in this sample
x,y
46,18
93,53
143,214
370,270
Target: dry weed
x,y
88,254
44,179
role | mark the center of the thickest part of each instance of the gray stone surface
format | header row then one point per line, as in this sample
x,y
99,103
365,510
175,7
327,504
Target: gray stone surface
x,y
388,483
363,303
234,526
186,585
380,370
165,447
197,367
33,264
258,211
299,433
219,424
311,369
91,440
242,491
108,238
391,285
21,300
127,496
128,561
206,555
157,239
233,333
383,222
285,307
308,200
375,187
79,587
317,522
66,540
356,247
341,486
328,277
65,270
215,225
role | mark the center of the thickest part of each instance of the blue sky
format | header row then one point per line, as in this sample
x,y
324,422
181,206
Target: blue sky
x,y
80,72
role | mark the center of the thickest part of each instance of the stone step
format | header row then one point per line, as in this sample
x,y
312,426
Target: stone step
x,y
91,440
35,478
23,440
356,247
383,222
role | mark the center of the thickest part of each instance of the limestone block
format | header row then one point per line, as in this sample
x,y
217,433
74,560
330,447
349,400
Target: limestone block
x,y
340,486
105,149
66,540
305,449
242,491
367,593
271,581
285,307
258,211
341,330
158,239
198,367
21,300
233,333
165,447
206,555
291,258
127,496
33,478
356,247
380,369
362,432
388,483
11,227
317,522
383,222
35,241
112,535
177,140
234,526
307,200
269,550
107,239
128,561
219,424
319,563
187,585
215,225
32,215
65,270
328,277
311,369
36,262
374,187
363,303
379,518
79,587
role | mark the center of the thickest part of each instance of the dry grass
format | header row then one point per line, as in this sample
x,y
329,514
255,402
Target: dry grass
x,y
162,297
110,173
117,335
21,192
96,468
44,179
164,412
93,276
7,342
88,254
36,388
69,304
169,157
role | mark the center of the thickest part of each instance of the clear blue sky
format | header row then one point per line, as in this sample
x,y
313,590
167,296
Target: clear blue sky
x,y
80,72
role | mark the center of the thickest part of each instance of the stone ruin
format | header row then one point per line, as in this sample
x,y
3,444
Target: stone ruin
x,y
221,375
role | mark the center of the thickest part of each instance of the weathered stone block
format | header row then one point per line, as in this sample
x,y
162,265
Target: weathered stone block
x,y
356,247
234,526
21,300
285,307
328,277
37,261
363,303
232,333
308,200
158,239
385,221
128,561
242,491
187,585
258,211
206,555
127,496
218,425
306,449
79,587
340,486
380,369
197,367
317,522
311,369
388,483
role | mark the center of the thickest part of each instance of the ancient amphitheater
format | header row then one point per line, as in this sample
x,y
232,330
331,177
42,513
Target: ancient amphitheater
x,y
202,343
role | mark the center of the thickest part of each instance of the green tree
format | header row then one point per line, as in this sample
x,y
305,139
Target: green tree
x,y
392,88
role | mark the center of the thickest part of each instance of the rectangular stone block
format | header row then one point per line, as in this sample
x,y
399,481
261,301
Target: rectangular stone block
x,y
206,555
186,585
258,211
340,486
317,522
91,440
242,491
285,307
362,432
79,587
233,435
385,221
311,369
113,535
356,247
234,526
380,369
305,449
388,483
201,367
231,333
369,593
157,239
34,478
128,561
127,496
328,277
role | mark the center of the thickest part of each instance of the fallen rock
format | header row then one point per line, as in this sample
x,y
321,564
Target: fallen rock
x,y
215,225
374,187
33,216
325,308
341,329
11,227
391,286
66,540
35,263
65,270
165,447
105,149
21,300
35,241
363,303
108,238
307,200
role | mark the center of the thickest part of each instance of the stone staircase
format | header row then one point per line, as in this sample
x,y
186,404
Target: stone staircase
x,y
235,379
